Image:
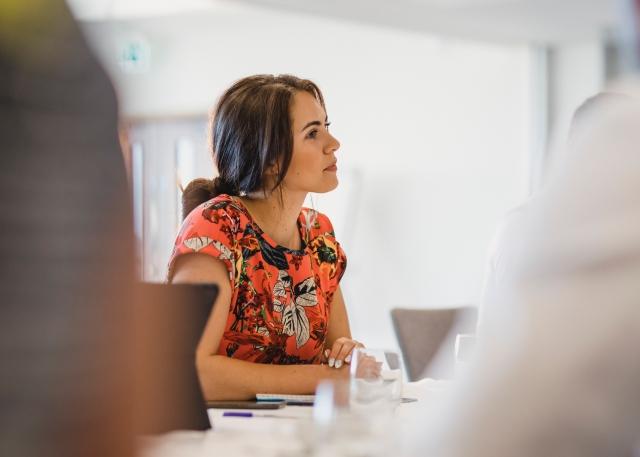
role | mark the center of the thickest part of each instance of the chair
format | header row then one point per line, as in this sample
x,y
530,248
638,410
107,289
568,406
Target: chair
x,y
421,332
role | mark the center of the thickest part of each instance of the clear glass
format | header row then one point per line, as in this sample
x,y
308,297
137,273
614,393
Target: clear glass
x,y
335,429
464,348
376,380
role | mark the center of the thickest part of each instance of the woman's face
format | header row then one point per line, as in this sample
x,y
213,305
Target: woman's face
x,y
313,162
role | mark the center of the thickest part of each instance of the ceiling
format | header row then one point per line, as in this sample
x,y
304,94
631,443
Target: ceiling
x,y
511,21
100,10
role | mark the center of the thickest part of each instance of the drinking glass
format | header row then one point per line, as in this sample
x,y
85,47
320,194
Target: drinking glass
x,y
376,380
464,348
336,430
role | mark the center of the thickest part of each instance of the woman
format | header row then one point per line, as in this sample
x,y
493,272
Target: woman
x,y
280,313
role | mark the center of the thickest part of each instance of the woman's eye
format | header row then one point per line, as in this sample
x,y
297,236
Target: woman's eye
x,y
312,134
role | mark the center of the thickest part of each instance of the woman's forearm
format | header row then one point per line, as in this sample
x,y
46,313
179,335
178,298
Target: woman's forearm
x,y
223,378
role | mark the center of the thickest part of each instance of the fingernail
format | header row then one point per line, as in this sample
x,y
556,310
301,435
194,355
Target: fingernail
x,y
338,363
347,359
327,352
331,362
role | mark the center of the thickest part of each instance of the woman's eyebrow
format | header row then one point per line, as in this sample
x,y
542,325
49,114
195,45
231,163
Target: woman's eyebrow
x,y
309,124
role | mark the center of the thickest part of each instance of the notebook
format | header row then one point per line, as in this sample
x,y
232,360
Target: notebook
x,y
289,399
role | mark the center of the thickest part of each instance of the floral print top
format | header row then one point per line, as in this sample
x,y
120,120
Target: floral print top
x,y
281,298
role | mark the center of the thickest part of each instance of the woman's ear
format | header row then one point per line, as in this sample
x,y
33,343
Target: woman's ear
x,y
273,170
270,177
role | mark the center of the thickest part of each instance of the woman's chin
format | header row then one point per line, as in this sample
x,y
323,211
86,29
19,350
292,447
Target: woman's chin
x,y
327,187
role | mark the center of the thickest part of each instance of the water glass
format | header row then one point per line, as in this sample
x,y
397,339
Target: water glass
x,y
464,348
335,430
376,380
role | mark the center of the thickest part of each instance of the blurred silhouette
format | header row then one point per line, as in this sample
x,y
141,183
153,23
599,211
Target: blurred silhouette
x,y
65,244
507,245
560,376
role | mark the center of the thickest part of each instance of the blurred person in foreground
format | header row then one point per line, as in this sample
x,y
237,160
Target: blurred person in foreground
x,y
507,244
65,243
280,314
561,376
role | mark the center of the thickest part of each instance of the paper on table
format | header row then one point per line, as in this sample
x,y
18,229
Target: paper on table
x,y
289,398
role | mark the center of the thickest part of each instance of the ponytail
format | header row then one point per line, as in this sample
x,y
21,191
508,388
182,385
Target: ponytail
x,y
201,190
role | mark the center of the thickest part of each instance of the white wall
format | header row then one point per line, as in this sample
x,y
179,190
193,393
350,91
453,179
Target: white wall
x,y
435,137
576,72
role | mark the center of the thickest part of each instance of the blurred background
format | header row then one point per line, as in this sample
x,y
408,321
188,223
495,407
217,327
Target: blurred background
x,y
446,111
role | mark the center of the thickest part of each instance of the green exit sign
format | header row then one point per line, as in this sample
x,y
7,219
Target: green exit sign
x,y
134,55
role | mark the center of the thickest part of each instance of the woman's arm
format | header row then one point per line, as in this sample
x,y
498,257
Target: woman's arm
x,y
339,344
338,320
223,378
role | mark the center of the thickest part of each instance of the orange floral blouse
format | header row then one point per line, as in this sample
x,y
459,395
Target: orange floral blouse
x,y
281,297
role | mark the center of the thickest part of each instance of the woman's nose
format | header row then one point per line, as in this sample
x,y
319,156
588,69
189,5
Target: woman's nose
x,y
333,145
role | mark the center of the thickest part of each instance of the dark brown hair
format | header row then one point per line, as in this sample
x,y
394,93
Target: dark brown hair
x,y
250,131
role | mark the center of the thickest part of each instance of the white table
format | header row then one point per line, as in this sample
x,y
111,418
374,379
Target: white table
x,y
266,436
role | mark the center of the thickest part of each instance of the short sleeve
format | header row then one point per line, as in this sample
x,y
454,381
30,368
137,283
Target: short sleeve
x,y
326,247
208,229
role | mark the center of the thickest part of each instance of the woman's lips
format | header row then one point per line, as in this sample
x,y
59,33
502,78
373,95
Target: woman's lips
x,y
331,168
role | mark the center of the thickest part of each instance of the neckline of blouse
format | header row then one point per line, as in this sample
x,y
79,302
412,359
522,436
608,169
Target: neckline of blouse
x,y
265,236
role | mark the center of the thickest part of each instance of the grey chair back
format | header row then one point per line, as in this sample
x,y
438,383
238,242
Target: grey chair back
x,y
421,332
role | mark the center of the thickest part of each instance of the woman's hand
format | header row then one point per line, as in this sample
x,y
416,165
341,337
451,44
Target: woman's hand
x,y
340,353
368,368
